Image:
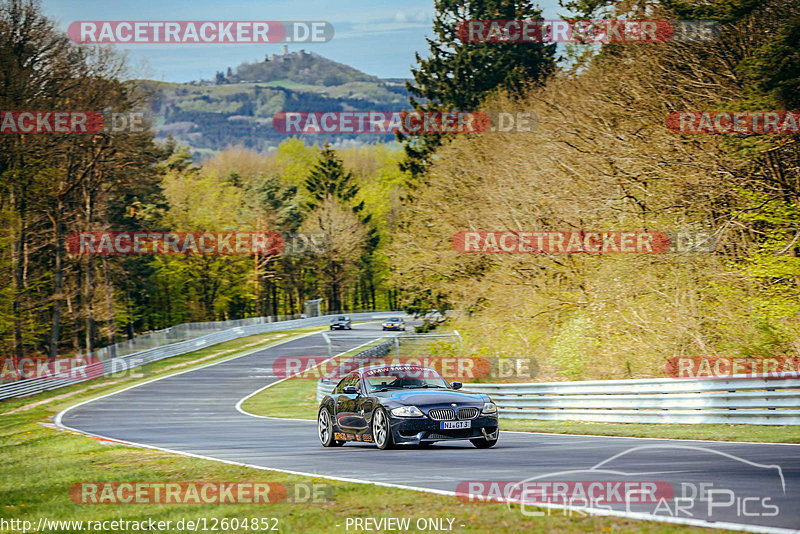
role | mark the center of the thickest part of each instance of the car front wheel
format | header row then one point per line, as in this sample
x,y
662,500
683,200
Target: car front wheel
x,y
325,429
381,432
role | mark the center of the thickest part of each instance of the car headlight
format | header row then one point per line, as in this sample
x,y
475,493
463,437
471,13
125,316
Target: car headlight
x,y
489,407
407,411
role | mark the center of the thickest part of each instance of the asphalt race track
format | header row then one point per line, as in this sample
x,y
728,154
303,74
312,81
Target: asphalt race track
x,y
195,412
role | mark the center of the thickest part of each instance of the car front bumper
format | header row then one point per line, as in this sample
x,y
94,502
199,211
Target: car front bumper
x,y
414,430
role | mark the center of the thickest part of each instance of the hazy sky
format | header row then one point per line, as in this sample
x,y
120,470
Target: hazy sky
x,y
378,37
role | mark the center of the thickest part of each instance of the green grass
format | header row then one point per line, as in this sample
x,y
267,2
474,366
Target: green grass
x,y
39,464
294,398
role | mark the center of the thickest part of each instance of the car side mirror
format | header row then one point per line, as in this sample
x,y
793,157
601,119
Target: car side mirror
x,y
350,390
457,385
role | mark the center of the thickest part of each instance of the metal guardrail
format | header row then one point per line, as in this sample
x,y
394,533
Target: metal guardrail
x,y
32,386
735,400
739,400
180,332
325,387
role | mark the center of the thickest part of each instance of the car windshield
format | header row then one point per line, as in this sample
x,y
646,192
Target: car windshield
x,y
342,318
394,320
403,378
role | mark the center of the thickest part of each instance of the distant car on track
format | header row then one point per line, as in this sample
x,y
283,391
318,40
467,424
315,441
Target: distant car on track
x,y
394,323
404,405
341,323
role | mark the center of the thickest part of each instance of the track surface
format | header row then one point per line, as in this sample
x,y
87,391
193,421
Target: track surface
x,y
194,412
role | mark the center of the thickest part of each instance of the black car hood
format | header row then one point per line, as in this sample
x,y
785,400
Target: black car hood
x,y
421,397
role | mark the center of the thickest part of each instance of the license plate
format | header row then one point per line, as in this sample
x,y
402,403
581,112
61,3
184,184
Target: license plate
x,y
452,425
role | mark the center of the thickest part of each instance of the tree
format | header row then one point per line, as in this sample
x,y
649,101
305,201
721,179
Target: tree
x,y
345,241
56,183
274,207
329,179
459,75
332,193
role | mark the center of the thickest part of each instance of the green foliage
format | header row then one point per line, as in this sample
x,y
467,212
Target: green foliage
x,y
295,160
775,264
723,11
572,344
327,179
774,69
240,114
425,327
280,202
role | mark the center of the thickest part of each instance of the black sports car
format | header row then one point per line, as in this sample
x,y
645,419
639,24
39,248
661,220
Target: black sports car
x,y
404,405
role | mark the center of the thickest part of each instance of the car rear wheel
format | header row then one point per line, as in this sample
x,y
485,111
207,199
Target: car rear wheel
x,y
483,443
325,429
381,432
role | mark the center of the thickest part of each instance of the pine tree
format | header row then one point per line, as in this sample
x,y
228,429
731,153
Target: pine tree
x,y
328,181
459,75
328,178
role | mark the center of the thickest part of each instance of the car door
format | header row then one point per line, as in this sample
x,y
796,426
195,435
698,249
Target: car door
x,y
365,403
347,416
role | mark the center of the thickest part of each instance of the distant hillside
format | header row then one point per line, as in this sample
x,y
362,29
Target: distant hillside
x,y
300,67
237,108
